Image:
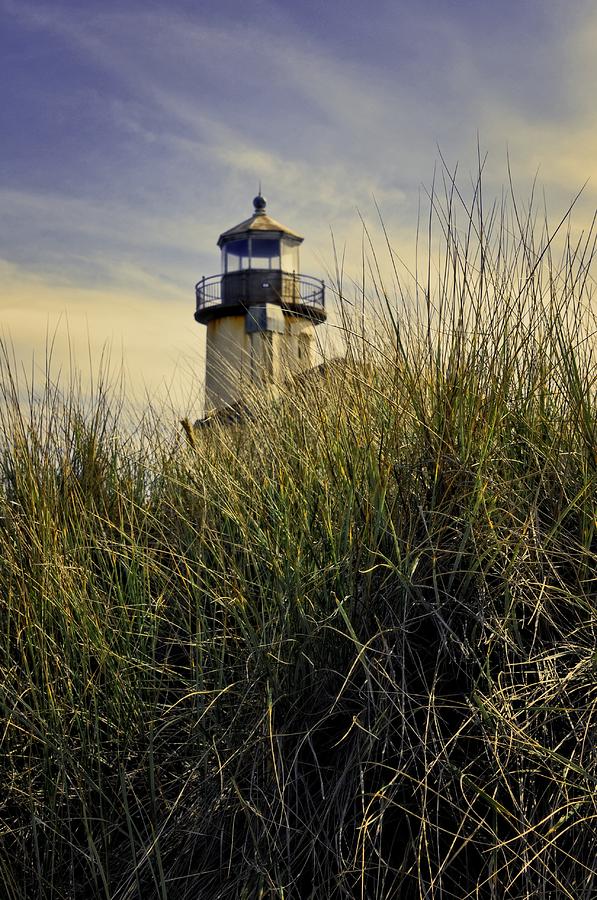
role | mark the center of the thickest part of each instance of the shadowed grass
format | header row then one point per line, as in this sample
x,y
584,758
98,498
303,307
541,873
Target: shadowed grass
x,y
345,649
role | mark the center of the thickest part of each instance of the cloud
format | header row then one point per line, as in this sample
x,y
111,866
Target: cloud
x,y
160,349
187,109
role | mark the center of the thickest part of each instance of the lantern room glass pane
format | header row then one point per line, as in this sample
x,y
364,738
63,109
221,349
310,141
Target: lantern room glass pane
x,y
237,255
265,253
290,257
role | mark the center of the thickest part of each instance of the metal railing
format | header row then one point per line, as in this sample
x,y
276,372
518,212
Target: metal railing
x,y
208,291
296,290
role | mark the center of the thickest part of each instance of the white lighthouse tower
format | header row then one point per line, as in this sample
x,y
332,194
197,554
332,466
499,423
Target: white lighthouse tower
x,y
260,312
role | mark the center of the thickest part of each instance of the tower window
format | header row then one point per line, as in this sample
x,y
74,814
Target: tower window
x,y
290,256
251,253
265,253
237,255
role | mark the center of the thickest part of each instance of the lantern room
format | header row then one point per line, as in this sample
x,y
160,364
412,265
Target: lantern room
x,y
260,243
259,264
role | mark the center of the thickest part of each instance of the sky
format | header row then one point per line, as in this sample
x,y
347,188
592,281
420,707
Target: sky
x,y
133,134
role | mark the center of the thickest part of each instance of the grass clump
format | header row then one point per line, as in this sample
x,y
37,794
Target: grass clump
x,y
346,649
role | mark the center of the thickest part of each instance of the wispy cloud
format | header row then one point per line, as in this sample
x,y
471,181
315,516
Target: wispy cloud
x,y
177,112
159,347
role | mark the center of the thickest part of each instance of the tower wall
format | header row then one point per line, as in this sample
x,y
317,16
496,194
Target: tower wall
x,y
242,354
227,362
299,346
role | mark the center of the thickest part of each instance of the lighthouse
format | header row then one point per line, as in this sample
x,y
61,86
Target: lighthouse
x,y
260,312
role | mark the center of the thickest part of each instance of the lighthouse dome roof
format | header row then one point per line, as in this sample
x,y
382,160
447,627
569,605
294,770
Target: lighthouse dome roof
x,y
259,221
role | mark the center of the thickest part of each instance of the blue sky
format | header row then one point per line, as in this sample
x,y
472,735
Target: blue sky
x,y
133,134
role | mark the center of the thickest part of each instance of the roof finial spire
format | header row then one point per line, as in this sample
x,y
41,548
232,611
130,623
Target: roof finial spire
x,y
259,202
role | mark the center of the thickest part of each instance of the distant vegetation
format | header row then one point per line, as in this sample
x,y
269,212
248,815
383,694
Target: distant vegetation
x,y
345,649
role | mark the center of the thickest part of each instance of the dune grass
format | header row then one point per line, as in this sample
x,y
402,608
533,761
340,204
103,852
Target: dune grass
x,y
346,649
